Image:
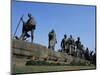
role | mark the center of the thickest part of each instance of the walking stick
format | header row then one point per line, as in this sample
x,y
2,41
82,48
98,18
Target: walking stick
x,y
17,26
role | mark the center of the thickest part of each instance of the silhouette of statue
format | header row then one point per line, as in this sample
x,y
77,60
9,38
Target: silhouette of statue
x,y
91,56
87,54
80,47
71,46
70,40
82,51
78,43
30,25
64,45
52,40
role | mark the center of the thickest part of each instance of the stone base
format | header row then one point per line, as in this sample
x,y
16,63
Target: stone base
x,y
23,51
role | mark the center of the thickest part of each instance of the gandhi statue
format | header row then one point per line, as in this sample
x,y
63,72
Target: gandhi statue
x,y
30,25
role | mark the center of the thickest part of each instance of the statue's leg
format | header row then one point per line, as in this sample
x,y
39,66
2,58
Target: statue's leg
x,y
52,47
22,36
27,35
49,44
64,48
52,44
32,35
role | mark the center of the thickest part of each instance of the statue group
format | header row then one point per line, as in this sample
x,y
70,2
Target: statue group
x,y
68,44
77,49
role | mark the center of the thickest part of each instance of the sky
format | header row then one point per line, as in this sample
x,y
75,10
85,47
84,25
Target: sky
x,y
75,20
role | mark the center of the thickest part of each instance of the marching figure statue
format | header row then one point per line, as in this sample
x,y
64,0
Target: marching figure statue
x,y
30,25
52,40
71,44
71,40
64,45
78,43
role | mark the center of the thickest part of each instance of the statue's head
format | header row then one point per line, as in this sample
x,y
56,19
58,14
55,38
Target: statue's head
x,y
65,36
52,30
78,38
87,49
29,15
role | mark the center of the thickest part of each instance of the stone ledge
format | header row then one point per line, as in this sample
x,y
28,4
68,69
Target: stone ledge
x,y
40,52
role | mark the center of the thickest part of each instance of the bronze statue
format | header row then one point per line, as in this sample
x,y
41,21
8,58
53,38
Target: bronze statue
x,y
71,45
30,25
64,44
70,40
78,43
52,40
